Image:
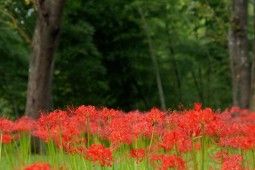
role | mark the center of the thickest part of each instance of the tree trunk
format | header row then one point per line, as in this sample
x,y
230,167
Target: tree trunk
x,y
154,59
238,52
252,96
172,56
49,14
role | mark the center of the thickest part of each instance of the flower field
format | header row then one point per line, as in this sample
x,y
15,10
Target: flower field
x,y
100,138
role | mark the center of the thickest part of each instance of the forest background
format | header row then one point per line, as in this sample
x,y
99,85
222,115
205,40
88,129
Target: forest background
x,y
131,54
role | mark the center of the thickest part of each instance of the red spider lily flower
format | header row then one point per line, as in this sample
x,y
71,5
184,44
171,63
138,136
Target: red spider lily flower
x,y
98,152
6,125
52,119
120,136
109,113
237,129
216,128
233,162
120,131
86,111
141,128
233,142
242,142
173,138
6,138
221,157
155,116
165,162
24,124
43,134
189,124
138,154
197,106
38,166
205,116
174,120
47,124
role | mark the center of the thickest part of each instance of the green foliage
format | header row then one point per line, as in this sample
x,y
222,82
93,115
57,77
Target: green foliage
x,y
103,57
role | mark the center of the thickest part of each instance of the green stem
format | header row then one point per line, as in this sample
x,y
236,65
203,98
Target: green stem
x,y
253,158
194,155
203,147
88,132
1,139
151,138
242,156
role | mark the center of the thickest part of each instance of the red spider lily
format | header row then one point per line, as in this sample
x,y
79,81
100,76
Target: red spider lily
x,y
6,126
50,125
242,142
174,138
6,138
233,163
155,116
38,166
86,111
173,120
98,152
43,134
141,128
189,124
109,113
197,106
204,116
237,129
53,119
119,131
216,128
138,154
166,162
138,125
24,124
221,156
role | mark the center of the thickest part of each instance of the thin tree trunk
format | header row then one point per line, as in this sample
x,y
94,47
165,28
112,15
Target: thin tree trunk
x,y
252,96
172,56
233,64
154,59
199,90
238,52
49,14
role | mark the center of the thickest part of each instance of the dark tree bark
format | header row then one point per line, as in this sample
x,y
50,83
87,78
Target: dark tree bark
x,y
44,44
252,96
238,52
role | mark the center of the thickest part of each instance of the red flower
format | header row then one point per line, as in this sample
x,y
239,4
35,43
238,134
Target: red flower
x,y
38,166
233,163
6,125
166,162
155,116
98,152
216,128
109,113
174,138
24,124
6,138
86,111
197,106
120,131
138,154
47,125
221,156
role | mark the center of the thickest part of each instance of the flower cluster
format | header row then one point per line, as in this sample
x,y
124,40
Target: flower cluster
x,y
164,140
